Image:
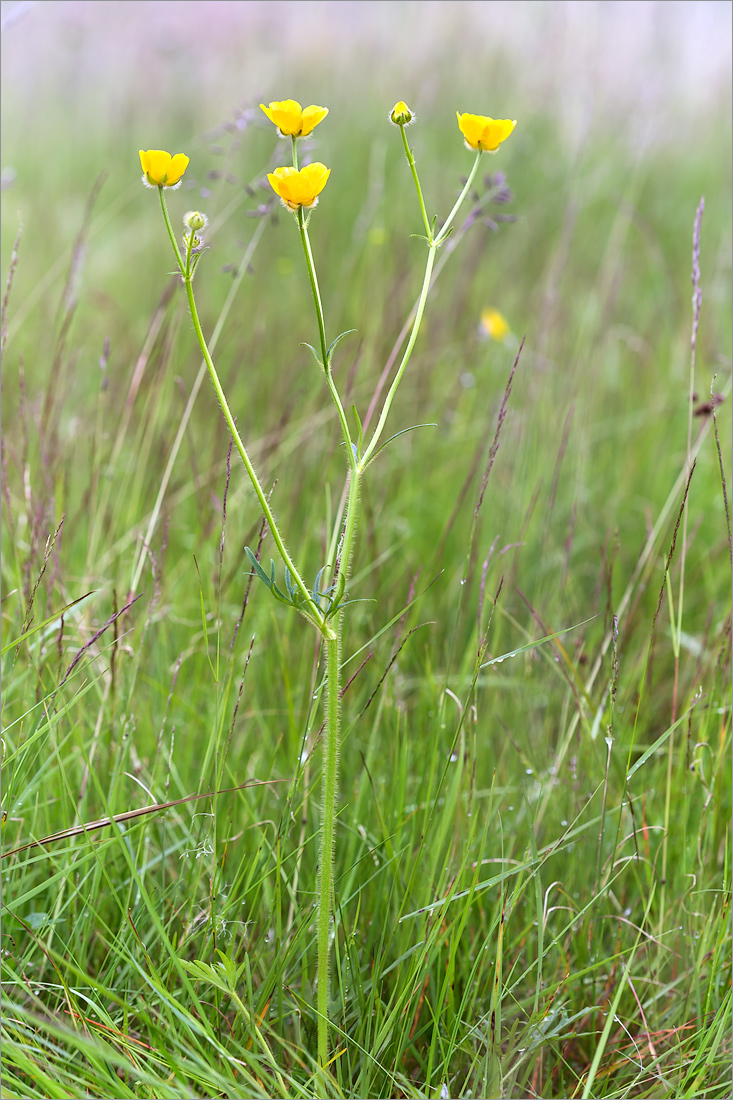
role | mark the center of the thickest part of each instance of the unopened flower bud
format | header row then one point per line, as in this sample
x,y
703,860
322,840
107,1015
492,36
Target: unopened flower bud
x,y
196,244
401,114
194,220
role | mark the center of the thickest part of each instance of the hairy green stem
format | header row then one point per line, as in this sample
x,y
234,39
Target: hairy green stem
x,y
413,168
328,821
297,579
433,245
333,672
432,250
459,201
169,227
314,611
182,427
305,240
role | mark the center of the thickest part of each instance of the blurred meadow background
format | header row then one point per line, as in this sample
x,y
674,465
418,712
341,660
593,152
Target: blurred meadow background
x,y
533,854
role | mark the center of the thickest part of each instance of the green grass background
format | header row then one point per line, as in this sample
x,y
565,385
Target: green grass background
x,y
515,916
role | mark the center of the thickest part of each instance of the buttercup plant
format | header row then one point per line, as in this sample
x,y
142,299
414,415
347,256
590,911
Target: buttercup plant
x,y
324,603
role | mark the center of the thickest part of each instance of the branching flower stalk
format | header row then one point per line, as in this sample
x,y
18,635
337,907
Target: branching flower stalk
x,y
298,190
187,267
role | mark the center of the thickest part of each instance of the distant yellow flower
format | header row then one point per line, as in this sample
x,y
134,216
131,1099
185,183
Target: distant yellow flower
x,y
494,324
401,114
290,118
160,169
299,188
484,133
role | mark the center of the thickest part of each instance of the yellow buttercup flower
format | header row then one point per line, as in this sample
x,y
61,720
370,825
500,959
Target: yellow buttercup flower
x,y
494,324
484,133
290,118
299,188
160,169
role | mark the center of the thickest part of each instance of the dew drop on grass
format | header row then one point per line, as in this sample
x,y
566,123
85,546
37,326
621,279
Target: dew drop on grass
x,y
563,823
528,771
463,580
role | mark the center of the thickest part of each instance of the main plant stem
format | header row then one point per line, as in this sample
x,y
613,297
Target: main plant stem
x,y
328,823
337,571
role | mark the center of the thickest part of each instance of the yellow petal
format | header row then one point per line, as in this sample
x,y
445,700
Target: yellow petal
x,y
315,177
311,117
401,114
178,165
299,188
482,132
287,106
471,126
286,114
495,132
279,180
156,165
